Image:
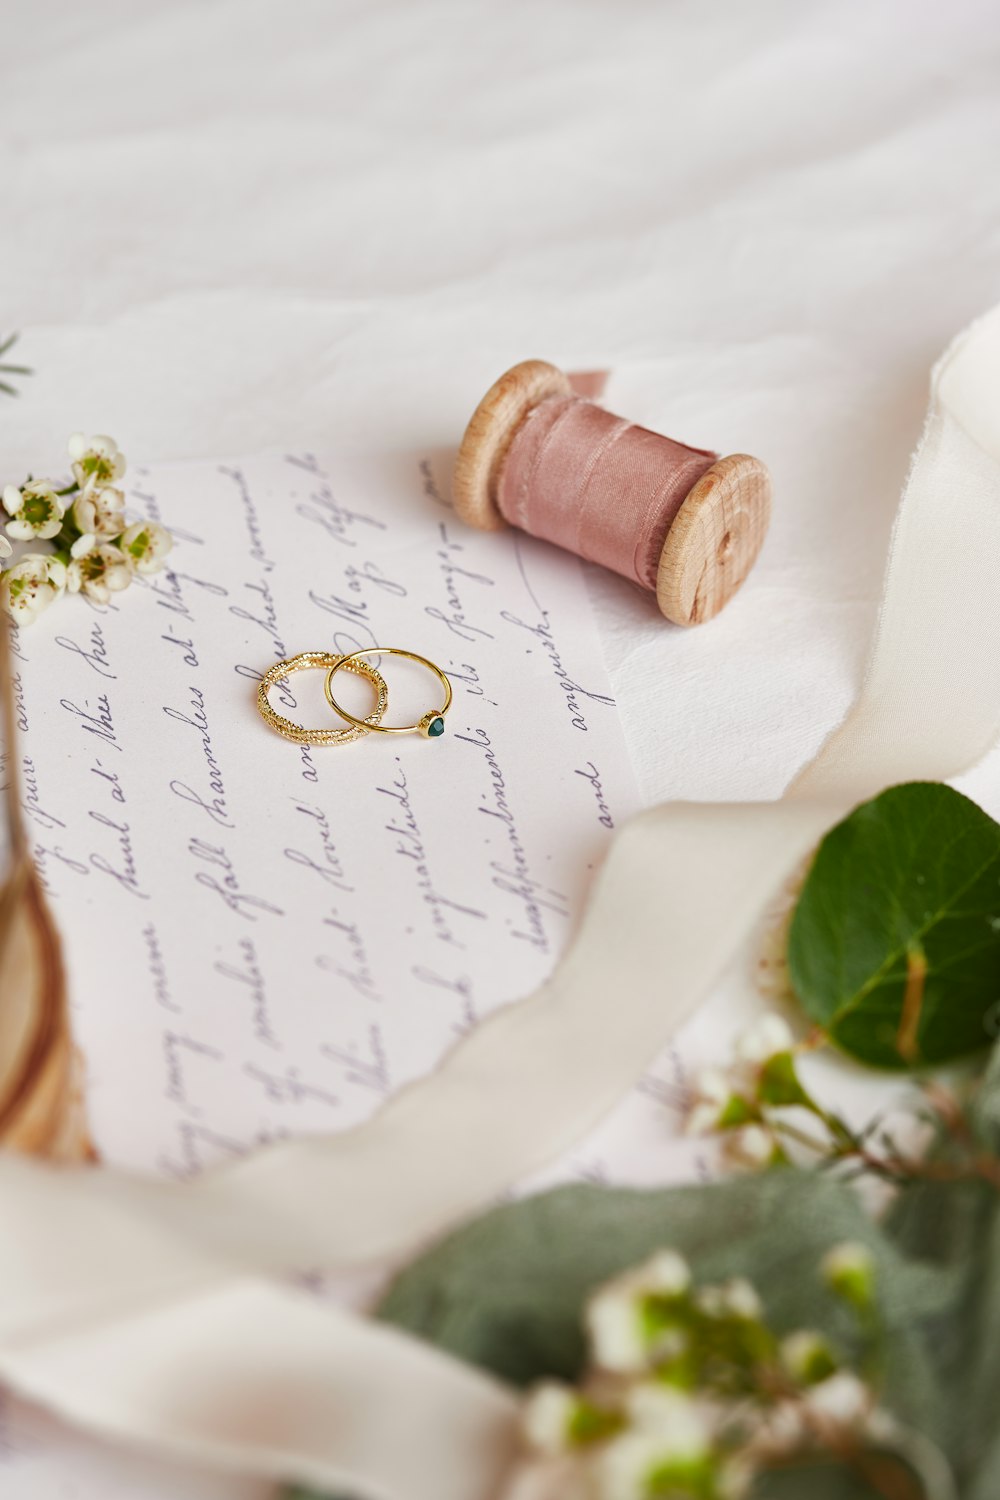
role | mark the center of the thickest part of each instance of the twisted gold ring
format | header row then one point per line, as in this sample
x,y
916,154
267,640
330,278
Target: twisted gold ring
x,y
332,661
431,726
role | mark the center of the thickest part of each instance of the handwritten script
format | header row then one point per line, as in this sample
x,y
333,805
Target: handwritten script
x,y
266,939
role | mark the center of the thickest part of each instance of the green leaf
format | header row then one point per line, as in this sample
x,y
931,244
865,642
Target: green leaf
x,y
894,947
507,1292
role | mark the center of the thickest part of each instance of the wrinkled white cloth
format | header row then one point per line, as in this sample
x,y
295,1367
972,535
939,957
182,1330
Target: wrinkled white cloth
x,y
232,225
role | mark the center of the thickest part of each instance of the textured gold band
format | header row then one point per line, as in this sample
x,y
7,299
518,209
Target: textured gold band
x,y
330,661
431,726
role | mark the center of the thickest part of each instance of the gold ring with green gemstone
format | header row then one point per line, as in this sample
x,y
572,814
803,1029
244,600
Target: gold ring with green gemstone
x,y
431,726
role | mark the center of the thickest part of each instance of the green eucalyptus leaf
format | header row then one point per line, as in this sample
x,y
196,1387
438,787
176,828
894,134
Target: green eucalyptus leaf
x,y
894,947
507,1292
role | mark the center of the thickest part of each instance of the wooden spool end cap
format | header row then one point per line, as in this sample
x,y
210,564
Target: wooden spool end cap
x,y
715,539
489,435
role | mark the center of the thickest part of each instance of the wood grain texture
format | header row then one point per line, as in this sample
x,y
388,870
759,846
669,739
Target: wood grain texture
x,y
715,540
489,435
41,1095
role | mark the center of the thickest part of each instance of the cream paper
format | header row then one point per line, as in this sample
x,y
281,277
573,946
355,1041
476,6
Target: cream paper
x,y
83,1256
267,939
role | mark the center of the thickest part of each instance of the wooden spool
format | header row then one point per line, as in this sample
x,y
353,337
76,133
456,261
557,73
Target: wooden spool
x,y
714,539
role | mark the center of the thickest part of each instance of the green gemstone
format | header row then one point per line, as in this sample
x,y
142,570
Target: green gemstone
x,y
435,728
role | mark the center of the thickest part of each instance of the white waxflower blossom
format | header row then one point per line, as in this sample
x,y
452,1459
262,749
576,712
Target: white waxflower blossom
x,y
96,460
766,1038
750,1147
100,513
35,510
146,545
619,1337
733,1299
547,1417
653,1407
99,573
627,1465
842,1398
30,586
849,1270
740,1300
666,1273
713,1089
807,1356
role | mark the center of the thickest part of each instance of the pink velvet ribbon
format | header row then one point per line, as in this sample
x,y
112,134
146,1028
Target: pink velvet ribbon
x,y
597,485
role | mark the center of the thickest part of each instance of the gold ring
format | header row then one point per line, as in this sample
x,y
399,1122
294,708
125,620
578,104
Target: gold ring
x,y
292,731
431,726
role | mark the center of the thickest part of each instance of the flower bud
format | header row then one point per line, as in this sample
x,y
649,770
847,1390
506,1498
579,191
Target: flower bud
x,y
849,1271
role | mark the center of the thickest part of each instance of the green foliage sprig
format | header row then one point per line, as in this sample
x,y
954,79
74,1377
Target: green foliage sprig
x,y
6,368
766,1335
93,548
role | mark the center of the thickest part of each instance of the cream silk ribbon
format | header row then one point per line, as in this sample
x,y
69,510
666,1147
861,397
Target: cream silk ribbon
x,y
117,1291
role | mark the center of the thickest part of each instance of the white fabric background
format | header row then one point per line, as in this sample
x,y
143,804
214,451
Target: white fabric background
x,y
224,225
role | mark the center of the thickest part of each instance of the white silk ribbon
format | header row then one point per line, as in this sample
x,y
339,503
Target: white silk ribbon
x,y
113,1288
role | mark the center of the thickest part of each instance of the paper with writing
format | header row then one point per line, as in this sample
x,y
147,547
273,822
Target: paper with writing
x,y
263,938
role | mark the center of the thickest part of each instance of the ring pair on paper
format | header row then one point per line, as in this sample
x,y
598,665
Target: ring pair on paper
x,y
431,725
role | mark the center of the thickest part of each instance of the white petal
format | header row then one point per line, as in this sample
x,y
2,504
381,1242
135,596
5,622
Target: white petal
x,y
77,446
616,1337
5,548
843,1397
768,1036
21,530
11,499
48,530
548,1411
714,1086
666,1272
57,572
741,1299
83,544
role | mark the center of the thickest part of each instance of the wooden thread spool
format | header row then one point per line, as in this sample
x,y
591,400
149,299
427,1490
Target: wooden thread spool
x,y
710,545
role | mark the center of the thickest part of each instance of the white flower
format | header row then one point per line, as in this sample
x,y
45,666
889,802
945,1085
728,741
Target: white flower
x,y
807,1356
100,512
35,508
30,586
749,1147
657,1409
146,544
96,460
736,1298
681,1441
713,1090
99,573
766,1038
843,1398
666,1272
619,1337
740,1300
783,1428
849,1270
5,548
547,1417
